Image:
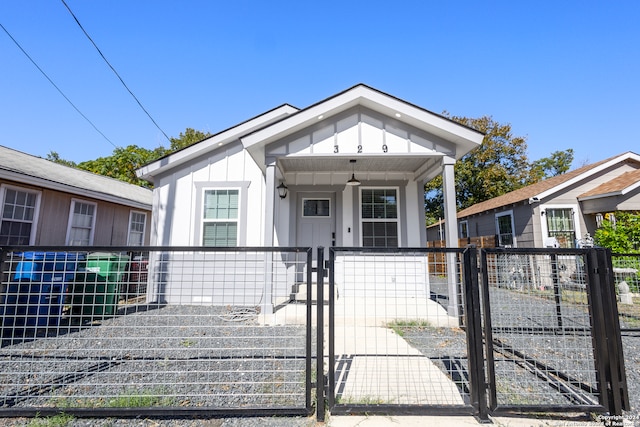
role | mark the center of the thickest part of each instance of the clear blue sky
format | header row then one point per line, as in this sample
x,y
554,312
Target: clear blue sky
x,y
564,74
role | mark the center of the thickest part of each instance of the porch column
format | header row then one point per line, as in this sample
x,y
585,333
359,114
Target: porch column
x,y
450,231
269,225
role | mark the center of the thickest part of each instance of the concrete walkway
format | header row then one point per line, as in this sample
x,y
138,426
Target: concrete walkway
x,y
445,421
375,365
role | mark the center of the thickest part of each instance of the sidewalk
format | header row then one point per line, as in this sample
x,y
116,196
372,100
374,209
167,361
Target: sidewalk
x,y
446,421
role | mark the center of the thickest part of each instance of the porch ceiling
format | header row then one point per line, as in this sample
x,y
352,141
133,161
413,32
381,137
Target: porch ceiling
x,y
411,164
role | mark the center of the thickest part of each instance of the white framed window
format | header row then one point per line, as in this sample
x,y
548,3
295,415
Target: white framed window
x,y
464,229
558,224
137,223
379,222
82,221
504,229
19,215
319,208
220,217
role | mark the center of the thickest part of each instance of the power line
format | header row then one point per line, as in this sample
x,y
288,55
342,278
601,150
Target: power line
x,y
114,70
56,86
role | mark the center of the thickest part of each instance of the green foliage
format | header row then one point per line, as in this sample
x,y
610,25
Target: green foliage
x,y
558,163
621,235
54,157
189,137
499,165
122,164
60,420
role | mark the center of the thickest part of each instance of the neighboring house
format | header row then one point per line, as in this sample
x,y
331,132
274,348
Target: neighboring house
x,y
556,212
45,203
224,190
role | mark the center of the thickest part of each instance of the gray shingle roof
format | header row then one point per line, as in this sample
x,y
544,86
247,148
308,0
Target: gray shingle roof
x,y
22,167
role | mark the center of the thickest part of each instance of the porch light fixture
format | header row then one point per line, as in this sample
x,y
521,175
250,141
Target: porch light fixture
x,y
353,181
282,190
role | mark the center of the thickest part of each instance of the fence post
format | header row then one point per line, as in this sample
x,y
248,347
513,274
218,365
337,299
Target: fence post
x,y
320,389
473,321
619,398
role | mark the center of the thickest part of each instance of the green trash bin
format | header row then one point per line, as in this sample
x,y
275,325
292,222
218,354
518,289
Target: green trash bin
x,y
96,292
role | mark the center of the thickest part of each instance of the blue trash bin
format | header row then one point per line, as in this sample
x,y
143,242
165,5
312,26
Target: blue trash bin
x,y
35,296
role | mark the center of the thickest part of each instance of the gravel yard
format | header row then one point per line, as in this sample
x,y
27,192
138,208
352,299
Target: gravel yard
x,y
204,357
186,356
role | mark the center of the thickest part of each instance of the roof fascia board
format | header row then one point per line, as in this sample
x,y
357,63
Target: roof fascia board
x,y
626,156
220,139
18,178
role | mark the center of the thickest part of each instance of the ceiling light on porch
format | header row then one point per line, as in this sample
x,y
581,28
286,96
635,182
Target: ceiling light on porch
x,y
353,181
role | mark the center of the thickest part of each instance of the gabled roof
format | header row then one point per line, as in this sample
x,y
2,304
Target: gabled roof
x,y
464,137
546,187
255,134
27,169
619,186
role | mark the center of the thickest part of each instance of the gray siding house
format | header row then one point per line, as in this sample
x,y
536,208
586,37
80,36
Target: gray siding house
x,y
45,203
556,212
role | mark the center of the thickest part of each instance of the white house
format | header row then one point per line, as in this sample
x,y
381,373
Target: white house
x,y
353,166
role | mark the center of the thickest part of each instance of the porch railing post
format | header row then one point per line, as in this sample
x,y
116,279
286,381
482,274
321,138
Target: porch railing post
x,y
473,320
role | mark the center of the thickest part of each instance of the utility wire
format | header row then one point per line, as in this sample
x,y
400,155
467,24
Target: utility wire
x,y
54,85
114,70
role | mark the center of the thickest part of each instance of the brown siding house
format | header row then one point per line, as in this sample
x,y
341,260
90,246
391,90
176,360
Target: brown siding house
x,y
45,203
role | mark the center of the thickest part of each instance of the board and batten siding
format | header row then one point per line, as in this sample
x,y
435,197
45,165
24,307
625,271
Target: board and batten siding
x,y
176,197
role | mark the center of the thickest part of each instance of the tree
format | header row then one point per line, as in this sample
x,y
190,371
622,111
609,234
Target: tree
x,y
499,165
122,164
620,232
54,157
558,163
189,137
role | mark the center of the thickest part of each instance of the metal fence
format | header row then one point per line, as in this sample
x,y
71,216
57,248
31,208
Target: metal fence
x,y
626,270
102,331
552,342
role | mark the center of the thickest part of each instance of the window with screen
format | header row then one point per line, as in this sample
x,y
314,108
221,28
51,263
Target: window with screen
x,y
220,217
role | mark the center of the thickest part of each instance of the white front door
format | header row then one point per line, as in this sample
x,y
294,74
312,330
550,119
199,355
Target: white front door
x,y
316,218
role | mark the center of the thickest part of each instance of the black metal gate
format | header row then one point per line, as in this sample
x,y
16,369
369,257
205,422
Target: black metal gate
x,y
435,331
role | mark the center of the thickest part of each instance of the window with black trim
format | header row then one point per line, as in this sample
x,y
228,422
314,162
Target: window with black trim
x,y
316,208
379,213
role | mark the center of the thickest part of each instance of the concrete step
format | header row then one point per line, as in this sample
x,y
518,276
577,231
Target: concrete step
x,y
299,293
